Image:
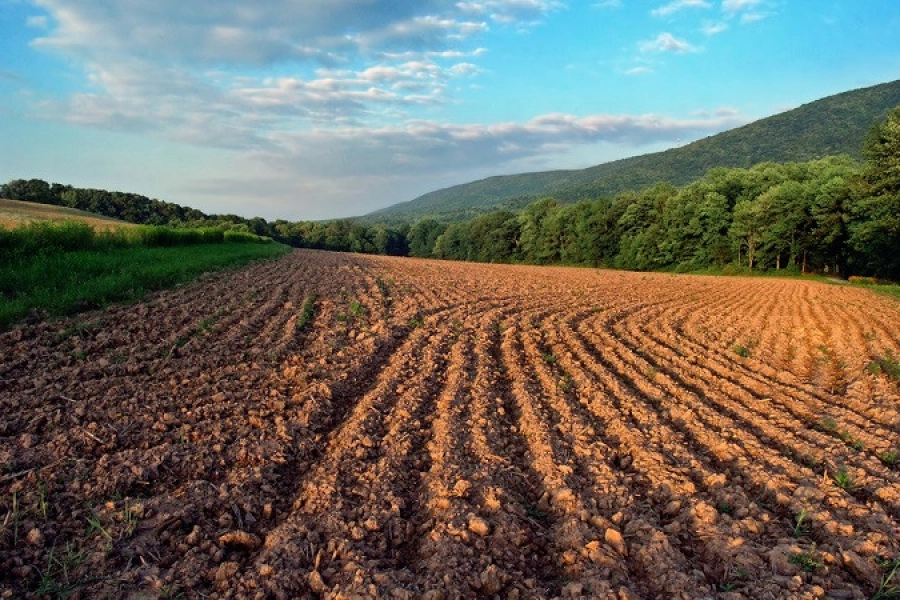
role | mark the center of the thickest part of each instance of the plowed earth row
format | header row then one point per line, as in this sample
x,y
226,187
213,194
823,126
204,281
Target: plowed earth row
x,y
447,430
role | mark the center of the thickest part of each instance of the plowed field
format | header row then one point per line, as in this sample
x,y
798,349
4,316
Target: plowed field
x,y
447,430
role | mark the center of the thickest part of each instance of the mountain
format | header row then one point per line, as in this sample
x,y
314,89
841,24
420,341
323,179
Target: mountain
x,y
834,125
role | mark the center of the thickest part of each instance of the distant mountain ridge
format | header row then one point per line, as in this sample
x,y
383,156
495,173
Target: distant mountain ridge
x,y
833,125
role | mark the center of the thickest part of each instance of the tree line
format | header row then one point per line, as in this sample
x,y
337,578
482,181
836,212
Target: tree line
x,y
830,215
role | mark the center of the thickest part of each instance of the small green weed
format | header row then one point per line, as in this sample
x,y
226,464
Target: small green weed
x,y
828,424
94,525
890,580
741,350
725,508
416,322
801,524
887,365
844,480
549,358
808,560
357,309
43,504
890,458
307,314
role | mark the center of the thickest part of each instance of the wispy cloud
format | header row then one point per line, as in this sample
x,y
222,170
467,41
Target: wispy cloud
x,y
713,27
639,71
678,5
736,6
37,21
749,11
666,42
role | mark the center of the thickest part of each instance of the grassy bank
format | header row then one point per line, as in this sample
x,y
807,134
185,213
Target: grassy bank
x,y
63,269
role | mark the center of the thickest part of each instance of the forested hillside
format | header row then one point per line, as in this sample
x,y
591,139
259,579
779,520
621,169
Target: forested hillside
x,y
827,127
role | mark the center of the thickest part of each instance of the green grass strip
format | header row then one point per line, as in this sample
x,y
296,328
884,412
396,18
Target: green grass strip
x,y
66,282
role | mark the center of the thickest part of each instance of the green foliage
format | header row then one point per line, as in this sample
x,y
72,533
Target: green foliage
x,y
887,365
308,312
831,126
844,480
801,524
741,350
68,268
889,587
808,560
889,458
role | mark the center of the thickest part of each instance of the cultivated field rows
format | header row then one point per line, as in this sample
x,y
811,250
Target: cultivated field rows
x,y
448,430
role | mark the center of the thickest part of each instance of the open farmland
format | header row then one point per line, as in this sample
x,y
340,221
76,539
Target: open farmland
x,y
348,426
14,213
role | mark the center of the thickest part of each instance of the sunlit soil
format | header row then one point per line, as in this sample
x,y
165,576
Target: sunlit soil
x,y
447,430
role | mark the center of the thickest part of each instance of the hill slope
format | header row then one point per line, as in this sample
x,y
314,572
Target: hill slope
x,y
834,125
16,212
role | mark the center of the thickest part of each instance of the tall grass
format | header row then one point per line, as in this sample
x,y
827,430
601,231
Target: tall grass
x,y
57,269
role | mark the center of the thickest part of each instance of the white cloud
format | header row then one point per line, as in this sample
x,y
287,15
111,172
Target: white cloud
x,y
639,71
678,5
511,11
736,6
397,162
714,27
666,42
38,21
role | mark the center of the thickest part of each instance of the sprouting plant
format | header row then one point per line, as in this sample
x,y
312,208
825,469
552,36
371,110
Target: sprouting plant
x,y
43,505
886,364
16,517
94,524
549,358
890,458
130,519
357,309
741,350
801,524
170,592
808,560
725,508
843,479
416,322
307,313
55,579
828,424
890,580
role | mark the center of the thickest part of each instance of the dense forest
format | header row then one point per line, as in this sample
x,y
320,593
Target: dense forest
x,y
830,126
833,215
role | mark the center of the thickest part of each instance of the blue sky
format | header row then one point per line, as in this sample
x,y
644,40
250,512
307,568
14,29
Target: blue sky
x,y
312,109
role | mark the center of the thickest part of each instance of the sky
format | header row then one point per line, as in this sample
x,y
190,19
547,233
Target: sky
x,y
319,109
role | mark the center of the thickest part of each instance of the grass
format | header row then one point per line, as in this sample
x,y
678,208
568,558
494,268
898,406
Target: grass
x,y
308,312
56,578
844,480
886,364
801,525
741,350
889,458
808,560
64,269
890,581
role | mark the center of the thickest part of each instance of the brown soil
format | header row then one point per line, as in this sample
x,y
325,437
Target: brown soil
x,y
447,430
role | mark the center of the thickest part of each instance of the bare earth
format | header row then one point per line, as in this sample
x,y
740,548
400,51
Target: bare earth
x,y
447,430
